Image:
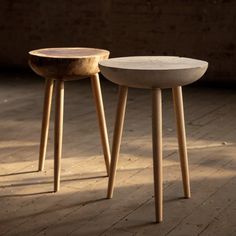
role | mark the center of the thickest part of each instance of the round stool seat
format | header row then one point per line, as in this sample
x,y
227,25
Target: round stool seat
x,y
66,63
153,71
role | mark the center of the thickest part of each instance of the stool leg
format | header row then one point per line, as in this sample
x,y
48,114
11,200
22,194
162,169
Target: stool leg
x,y
157,151
49,83
120,115
179,111
101,118
58,132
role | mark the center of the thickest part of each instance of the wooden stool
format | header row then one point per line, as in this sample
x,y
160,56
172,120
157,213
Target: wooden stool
x,y
59,65
155,73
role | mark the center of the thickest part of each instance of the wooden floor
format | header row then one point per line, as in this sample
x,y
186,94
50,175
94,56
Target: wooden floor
x,y
28,206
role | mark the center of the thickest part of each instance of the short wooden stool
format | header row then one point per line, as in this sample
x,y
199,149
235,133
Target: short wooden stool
x,y
155,73
57,65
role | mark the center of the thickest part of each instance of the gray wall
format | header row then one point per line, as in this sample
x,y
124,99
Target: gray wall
x,y
203,29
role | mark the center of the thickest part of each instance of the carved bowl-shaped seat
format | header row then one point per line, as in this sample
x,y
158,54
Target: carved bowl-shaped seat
x,y
66,63
153,71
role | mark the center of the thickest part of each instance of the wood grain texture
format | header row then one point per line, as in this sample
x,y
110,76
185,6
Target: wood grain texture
x,y
28,204
153,71
66,63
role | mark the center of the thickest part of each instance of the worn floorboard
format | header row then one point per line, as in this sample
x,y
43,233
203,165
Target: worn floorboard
x,y
29,207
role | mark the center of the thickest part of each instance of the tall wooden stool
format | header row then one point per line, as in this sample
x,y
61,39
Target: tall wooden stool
x,y
155,73
58,65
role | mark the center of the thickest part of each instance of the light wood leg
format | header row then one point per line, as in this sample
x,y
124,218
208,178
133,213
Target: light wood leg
x,y
120,114
101,119
58,132
179,111
45,122
157,151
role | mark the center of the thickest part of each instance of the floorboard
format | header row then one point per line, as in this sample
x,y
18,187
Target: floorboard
x,y
29,207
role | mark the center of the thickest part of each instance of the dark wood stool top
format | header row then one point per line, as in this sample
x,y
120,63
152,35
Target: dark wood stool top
x,y
66,63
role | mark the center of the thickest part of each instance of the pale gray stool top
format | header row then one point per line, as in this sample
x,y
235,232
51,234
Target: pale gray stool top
x,y
153,71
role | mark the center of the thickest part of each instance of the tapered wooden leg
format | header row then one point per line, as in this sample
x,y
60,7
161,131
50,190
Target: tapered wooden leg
x,y
157,151
179,111
120,114
101,119
58,132
45,122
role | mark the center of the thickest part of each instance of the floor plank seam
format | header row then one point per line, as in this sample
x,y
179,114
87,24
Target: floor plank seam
x,y
122,218
83,205
205,228
202,201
